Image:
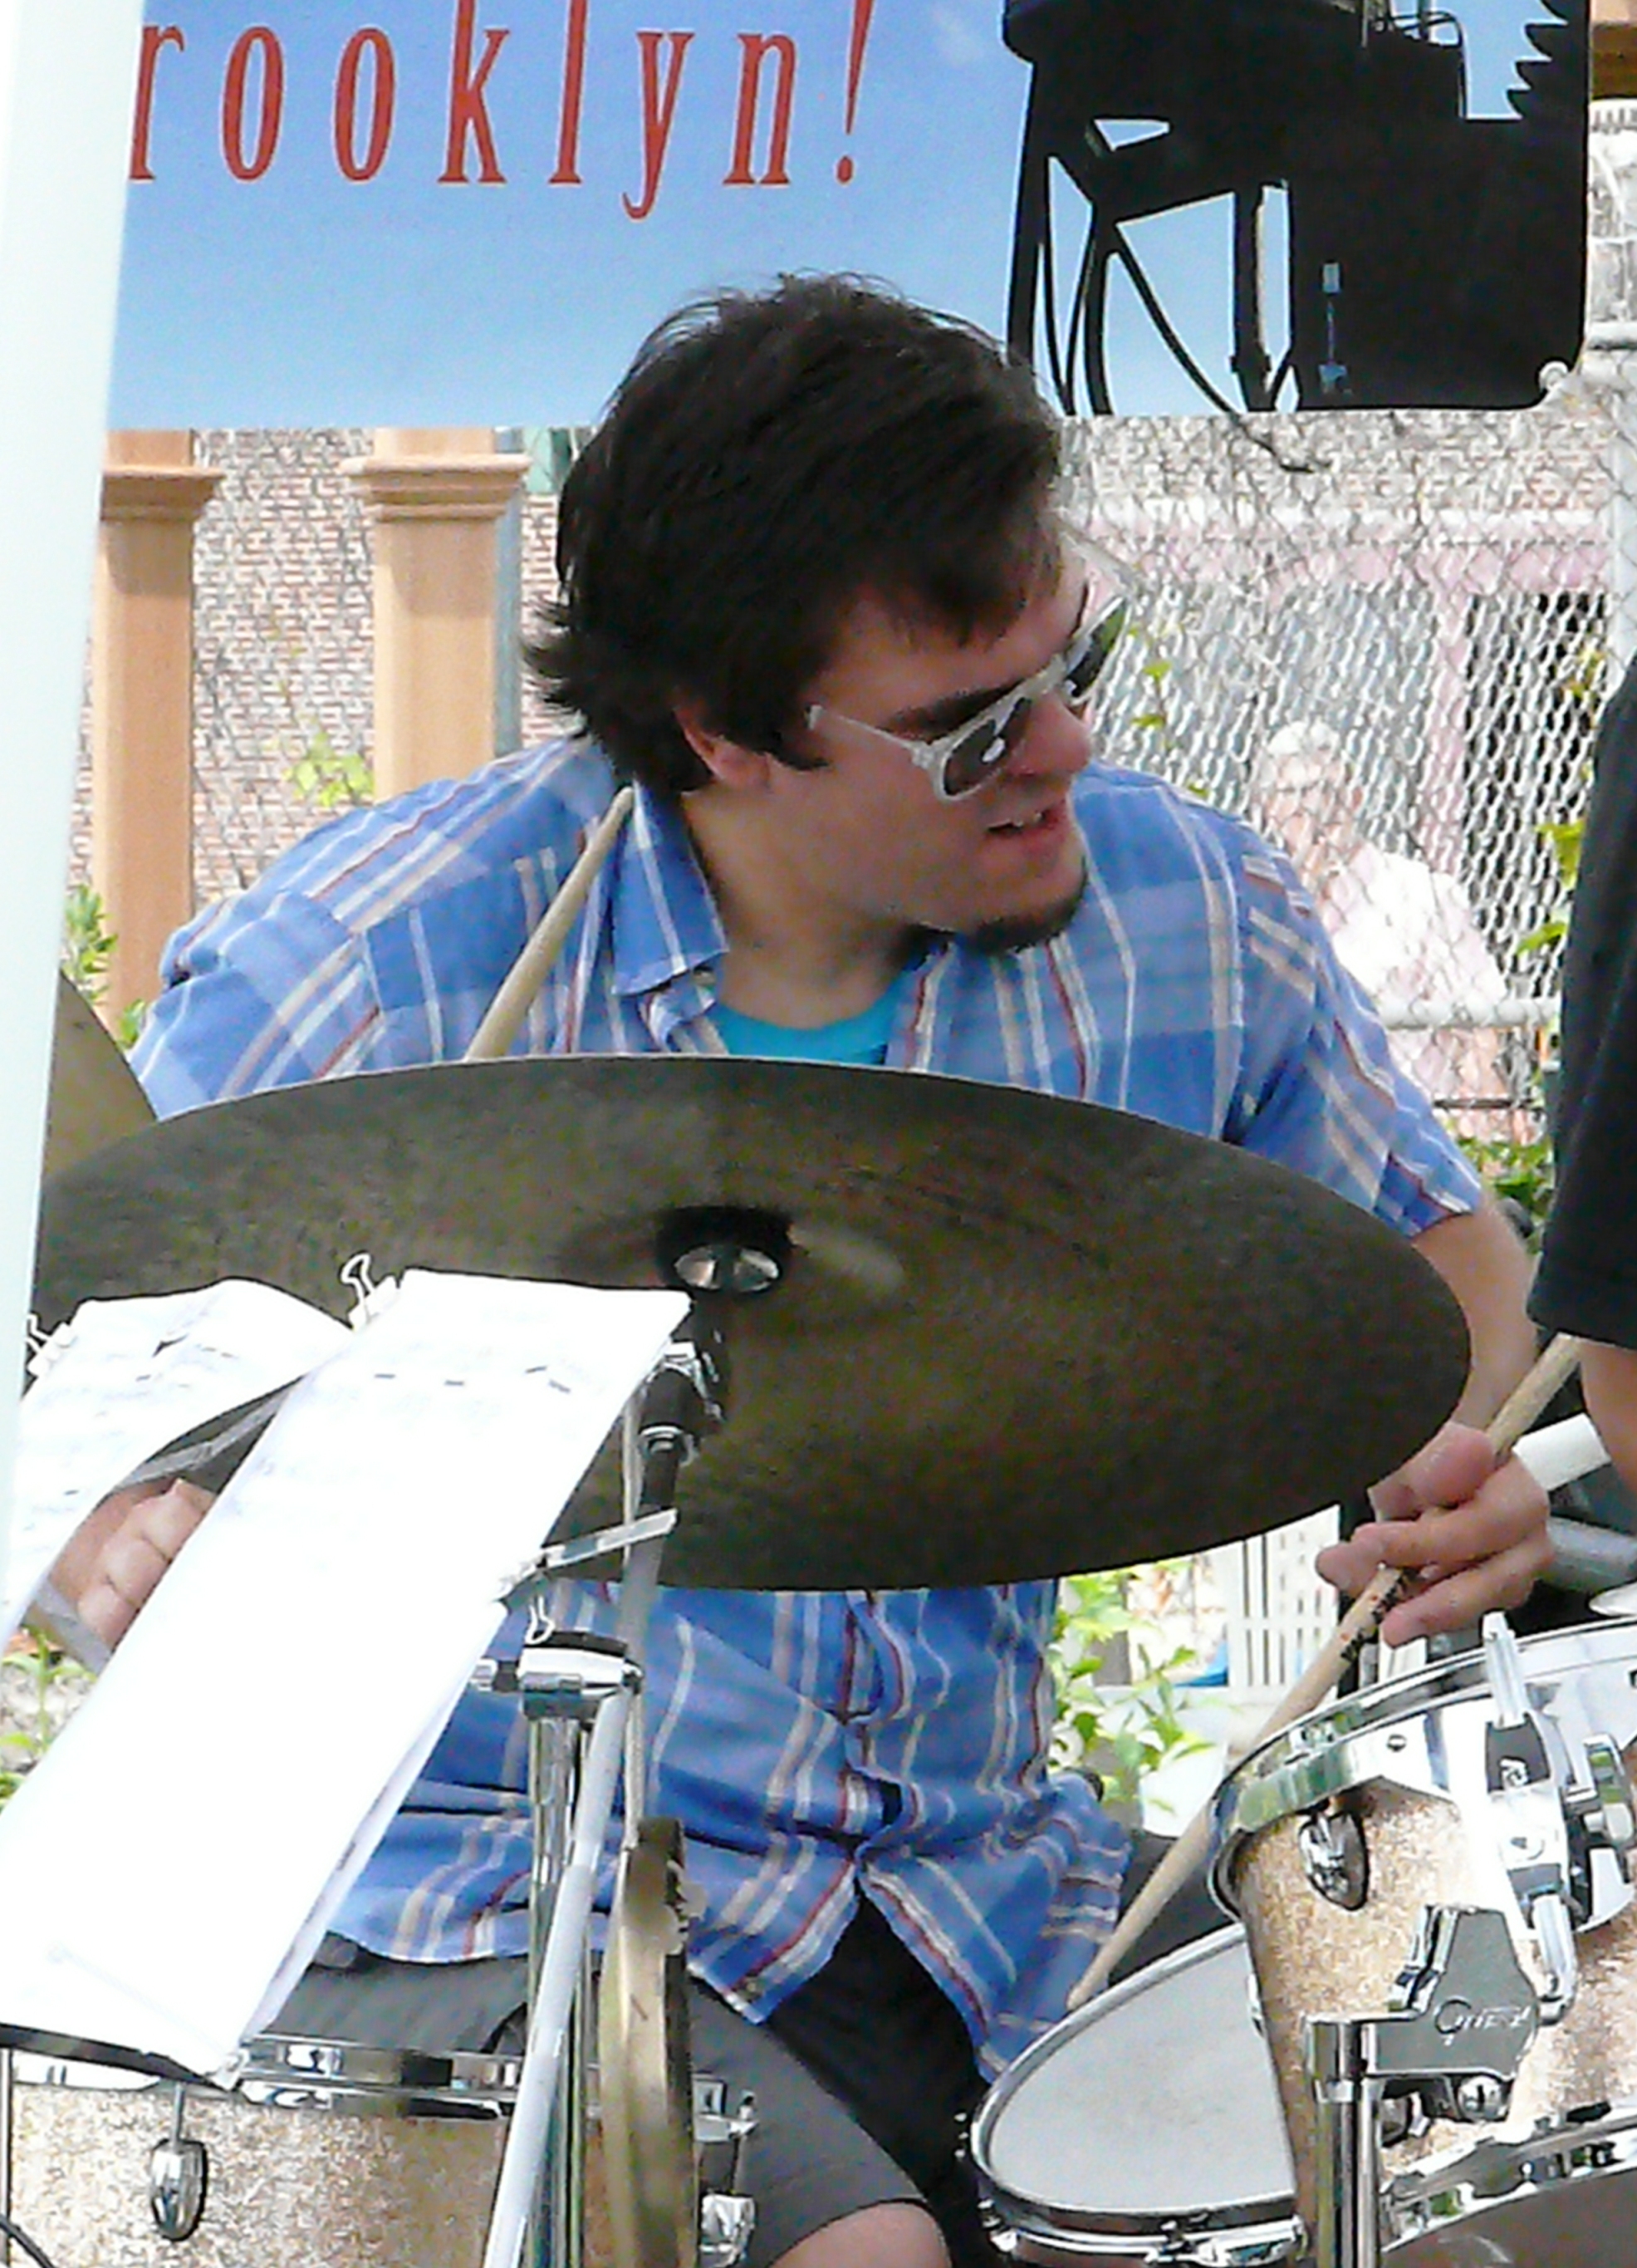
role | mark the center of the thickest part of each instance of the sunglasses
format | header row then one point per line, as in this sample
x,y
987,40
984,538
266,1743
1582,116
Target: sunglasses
x,y
961,761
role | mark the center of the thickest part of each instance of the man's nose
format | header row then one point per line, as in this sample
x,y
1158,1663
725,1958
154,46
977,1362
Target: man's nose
x,y
1057,741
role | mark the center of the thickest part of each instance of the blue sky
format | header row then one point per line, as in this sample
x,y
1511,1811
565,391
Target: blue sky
x,y
301,297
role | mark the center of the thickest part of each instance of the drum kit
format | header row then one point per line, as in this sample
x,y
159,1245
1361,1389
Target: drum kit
x,y
1085,1340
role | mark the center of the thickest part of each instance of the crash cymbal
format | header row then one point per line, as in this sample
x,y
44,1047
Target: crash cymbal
x,y
1015,1336
94,1097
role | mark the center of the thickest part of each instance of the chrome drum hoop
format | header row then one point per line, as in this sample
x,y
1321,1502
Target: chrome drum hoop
x,y
1390,1734
1515,2196
346,2080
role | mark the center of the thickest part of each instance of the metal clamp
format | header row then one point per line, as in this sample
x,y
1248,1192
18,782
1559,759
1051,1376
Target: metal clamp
x,y
727,2216
1529,1802
572,1674
1464,2017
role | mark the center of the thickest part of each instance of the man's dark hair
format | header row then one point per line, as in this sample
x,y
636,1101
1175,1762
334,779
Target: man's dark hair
x,y
767,459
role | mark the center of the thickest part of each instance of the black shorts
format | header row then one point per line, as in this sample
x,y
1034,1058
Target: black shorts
x,y
864,2077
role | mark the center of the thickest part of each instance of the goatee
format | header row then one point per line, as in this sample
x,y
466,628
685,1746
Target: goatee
x,y
1016,933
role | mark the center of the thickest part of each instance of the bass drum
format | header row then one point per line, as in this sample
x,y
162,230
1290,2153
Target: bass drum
x,y
323,2156
1146,2127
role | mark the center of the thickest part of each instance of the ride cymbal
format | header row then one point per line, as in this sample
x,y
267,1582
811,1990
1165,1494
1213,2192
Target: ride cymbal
x,y
94,1098
1014,1336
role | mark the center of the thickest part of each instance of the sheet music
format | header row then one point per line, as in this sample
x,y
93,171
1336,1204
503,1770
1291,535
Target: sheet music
x,y
166,1868
127,1376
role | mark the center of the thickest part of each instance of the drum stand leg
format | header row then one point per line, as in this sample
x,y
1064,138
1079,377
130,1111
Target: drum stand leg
x,y
538,2120
1347,2099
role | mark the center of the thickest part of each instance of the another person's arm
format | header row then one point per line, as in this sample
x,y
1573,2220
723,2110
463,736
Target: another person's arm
x,y
1587,1282
1608,1377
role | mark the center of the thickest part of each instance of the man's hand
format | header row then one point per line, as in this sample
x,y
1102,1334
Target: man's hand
x,y
122,1550
1473,1531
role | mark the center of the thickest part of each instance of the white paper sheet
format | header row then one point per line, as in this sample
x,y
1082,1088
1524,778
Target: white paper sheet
x,y
124,1378
180,1848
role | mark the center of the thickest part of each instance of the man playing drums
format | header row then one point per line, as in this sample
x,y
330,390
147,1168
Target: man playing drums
x,y
820,605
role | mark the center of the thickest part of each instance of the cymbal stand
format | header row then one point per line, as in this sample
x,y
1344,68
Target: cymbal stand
x,y
581,1699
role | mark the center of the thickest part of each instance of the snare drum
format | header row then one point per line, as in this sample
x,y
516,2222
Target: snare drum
x,y
1335,1837
323,2156
1144,2127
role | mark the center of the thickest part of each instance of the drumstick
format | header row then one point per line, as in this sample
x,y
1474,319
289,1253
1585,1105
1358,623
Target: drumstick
x,y
1363,1618
504,1018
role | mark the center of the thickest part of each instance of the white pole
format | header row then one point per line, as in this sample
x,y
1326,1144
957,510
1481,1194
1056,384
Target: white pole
x,y
68,76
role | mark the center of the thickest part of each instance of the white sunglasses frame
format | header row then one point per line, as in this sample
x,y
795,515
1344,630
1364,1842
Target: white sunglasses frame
x,y
934,756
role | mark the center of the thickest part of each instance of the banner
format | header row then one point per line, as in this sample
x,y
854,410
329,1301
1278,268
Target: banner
x,y
454,211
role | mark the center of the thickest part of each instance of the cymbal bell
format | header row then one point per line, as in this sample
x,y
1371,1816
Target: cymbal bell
x,y
1014,1336
94,1098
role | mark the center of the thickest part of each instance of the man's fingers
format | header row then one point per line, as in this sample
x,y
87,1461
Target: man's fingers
x,y
1454,1466
167,1520
122,1553
1463,1599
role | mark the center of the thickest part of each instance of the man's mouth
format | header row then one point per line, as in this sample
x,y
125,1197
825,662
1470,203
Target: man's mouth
x,y
1029,823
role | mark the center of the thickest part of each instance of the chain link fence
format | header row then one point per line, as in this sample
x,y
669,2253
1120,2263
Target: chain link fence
x,y
1383,638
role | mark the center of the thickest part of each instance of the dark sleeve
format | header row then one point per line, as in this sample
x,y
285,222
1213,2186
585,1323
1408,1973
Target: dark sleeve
x,y
1587,1282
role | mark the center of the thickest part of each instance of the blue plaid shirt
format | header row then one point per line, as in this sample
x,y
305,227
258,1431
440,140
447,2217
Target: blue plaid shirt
x,y
814,1745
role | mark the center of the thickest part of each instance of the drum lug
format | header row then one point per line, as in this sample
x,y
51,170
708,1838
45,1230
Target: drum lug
x,y
727,2217
179,2179
1602,1817
1335,1857
1530,1803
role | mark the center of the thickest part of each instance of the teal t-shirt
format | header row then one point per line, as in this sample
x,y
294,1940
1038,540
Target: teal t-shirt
x,y
855,1040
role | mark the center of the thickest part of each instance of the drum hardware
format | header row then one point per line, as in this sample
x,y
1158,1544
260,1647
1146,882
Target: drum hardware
x,y
1527,1797
583,1707
178,2177
1335,1856
1464,2017
727,2215
1493,2112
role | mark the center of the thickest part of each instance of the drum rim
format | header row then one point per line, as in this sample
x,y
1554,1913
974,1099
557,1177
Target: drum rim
x,y
1273,2215
288,2070
1379,1709
289,2055
1460,2189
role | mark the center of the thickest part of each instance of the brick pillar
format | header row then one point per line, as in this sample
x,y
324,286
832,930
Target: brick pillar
x,y
434,498
141,659
1614,50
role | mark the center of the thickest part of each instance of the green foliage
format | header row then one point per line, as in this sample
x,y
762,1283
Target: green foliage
x,y
87,948
40,1686
1123,1731
1521,1170
1565,839
332,778
87,945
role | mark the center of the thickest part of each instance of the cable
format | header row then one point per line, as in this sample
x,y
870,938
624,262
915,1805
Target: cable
x,y
1162,324
15,2235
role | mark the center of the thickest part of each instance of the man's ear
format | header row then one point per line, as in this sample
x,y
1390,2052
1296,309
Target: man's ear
x,y
729,764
